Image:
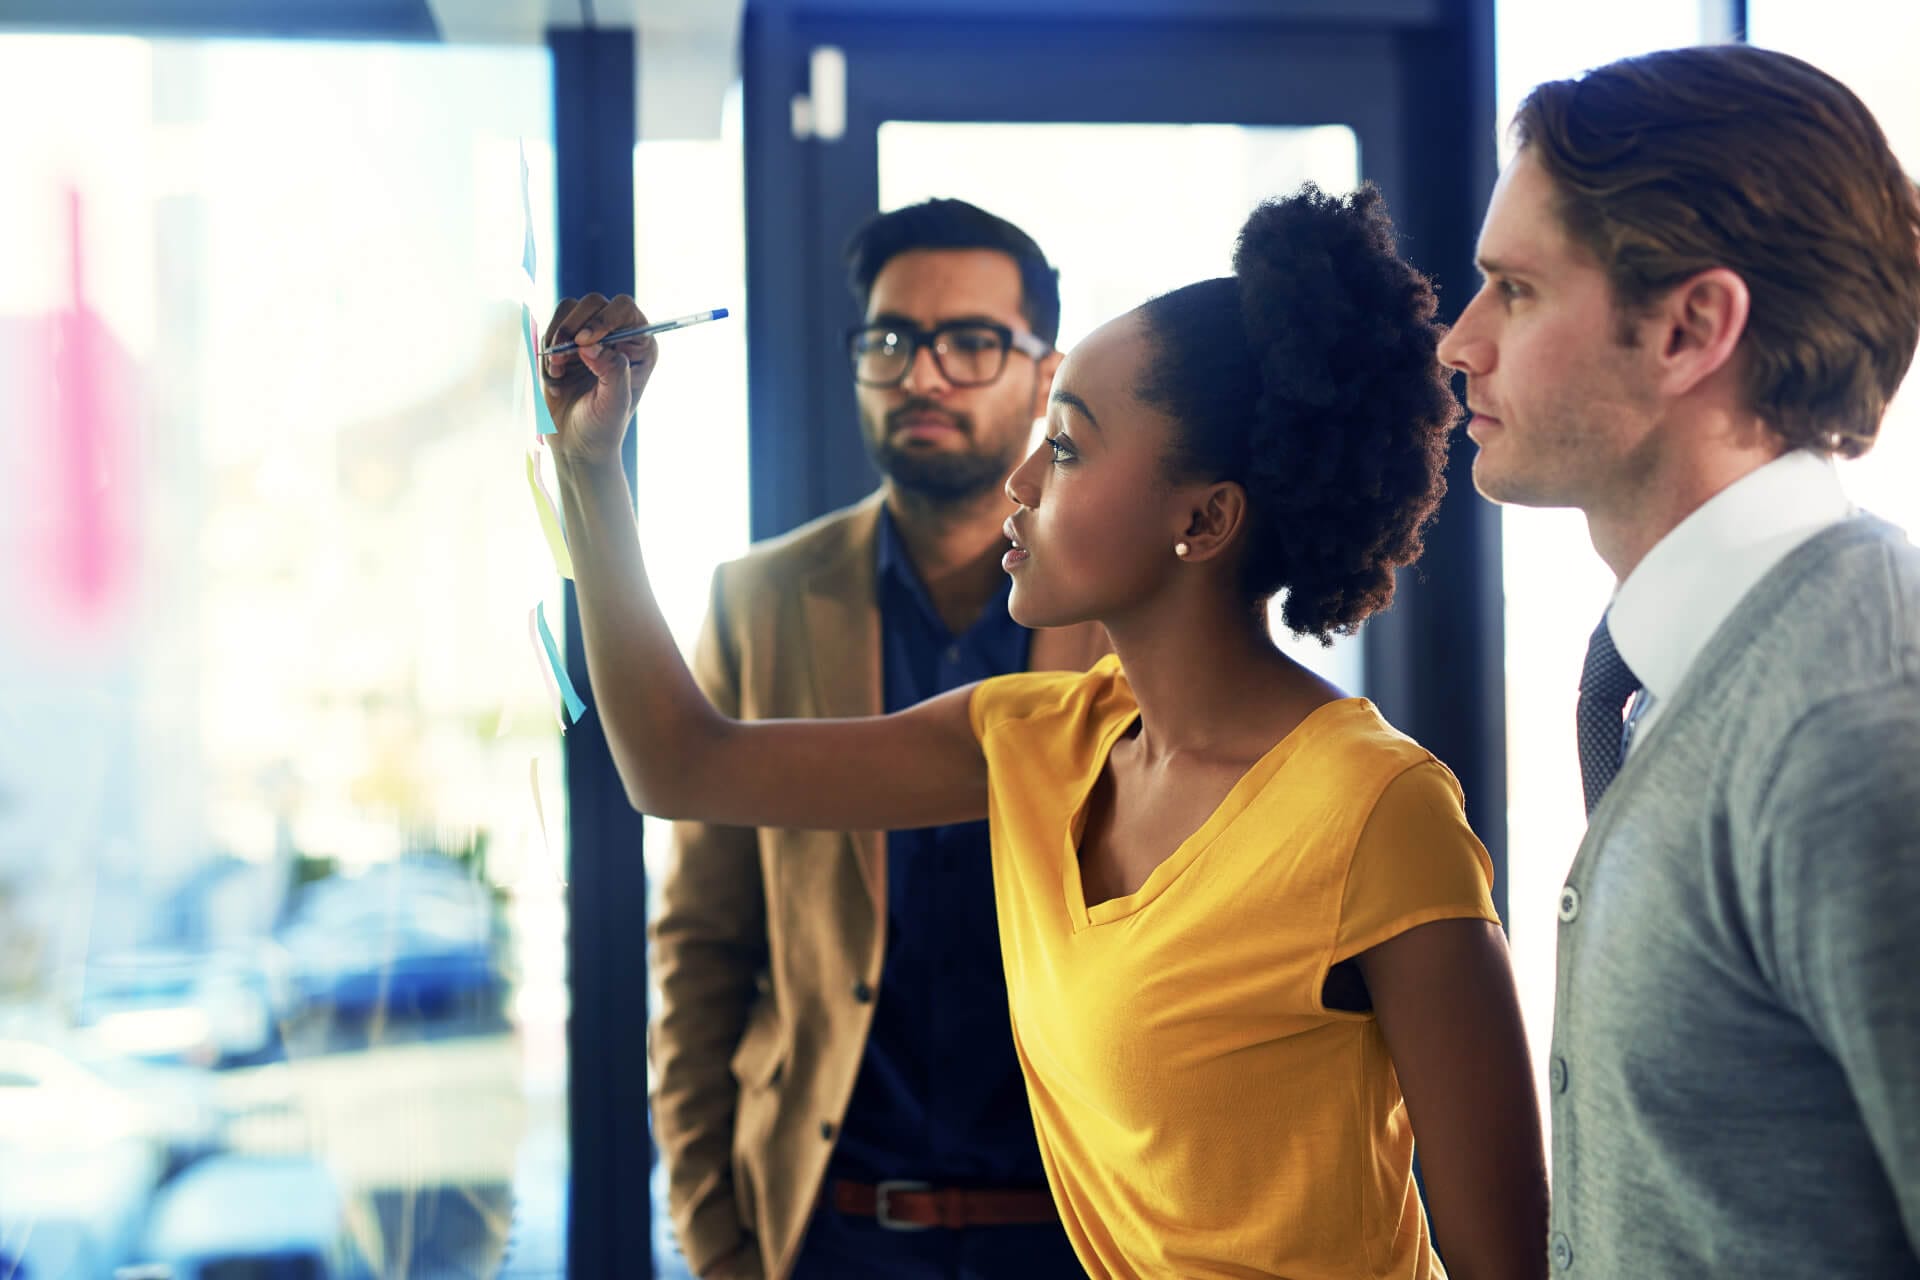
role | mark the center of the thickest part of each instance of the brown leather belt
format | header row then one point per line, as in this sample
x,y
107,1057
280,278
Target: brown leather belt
x,y
916,1206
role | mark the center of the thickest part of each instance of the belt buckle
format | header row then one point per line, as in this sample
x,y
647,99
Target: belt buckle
x,y
882,1207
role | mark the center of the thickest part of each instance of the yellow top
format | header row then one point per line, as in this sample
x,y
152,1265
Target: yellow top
x,y
1200,1111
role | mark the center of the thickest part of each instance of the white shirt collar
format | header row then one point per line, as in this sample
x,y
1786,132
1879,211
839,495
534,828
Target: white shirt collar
x,y
1676,598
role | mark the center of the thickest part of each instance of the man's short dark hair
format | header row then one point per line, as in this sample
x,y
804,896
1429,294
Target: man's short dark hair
x,y
1671,163
955,224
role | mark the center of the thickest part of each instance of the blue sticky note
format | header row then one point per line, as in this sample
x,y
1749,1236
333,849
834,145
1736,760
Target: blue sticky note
x,y
574,705
542,416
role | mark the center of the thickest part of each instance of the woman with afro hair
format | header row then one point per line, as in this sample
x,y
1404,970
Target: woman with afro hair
x,y
1250,948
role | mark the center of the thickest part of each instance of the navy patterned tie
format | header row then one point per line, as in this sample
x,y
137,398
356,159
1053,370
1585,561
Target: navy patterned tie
x,y
1606,682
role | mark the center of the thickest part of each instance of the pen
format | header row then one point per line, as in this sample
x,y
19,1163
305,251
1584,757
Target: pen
x,y
618,335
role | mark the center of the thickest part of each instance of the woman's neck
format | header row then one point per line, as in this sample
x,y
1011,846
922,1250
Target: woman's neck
x,y
1211,682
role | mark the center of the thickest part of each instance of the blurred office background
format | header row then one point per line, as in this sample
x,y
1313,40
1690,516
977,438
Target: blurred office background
x,y
320,942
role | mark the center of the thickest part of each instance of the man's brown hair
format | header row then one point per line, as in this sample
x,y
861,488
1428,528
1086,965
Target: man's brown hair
x,y
1672,163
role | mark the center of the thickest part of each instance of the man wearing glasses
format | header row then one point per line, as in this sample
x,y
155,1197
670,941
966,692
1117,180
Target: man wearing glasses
x,y
836,1092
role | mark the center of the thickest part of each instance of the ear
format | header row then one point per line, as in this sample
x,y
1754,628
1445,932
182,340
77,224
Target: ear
x,y
1214,516
1044,369
1699,326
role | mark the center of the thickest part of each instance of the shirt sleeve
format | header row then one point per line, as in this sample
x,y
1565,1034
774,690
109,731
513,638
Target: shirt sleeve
x,y
1027,694
1840,834
985,702
1416,861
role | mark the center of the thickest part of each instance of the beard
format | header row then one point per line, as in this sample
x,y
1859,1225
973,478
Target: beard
x,y
939,476
1573,449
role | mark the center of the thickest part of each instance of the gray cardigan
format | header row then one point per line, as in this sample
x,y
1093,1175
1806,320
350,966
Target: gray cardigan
x,y
1736,1048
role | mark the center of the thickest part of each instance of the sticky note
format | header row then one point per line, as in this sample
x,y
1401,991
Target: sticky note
x,y
540,812
526,216
542,417
546,667
574,705
549,518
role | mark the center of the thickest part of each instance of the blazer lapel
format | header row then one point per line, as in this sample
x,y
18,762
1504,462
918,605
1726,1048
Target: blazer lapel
x,y
843,658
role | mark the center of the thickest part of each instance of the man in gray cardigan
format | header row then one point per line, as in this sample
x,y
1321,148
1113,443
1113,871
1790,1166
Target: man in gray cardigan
x,y
1702,283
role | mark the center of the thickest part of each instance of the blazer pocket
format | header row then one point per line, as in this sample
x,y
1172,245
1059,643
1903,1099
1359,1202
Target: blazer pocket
x,y
757,1064
761,1055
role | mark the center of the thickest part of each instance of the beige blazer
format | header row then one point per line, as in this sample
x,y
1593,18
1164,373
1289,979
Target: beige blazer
x,y
767,944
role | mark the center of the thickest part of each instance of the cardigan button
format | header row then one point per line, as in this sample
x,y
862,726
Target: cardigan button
x,y
862,992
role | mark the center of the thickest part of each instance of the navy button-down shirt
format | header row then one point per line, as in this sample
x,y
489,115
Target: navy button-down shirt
x,y
939,1096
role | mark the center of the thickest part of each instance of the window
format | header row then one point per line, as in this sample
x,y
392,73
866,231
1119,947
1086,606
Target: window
x,y
274,884
691,487
1870,47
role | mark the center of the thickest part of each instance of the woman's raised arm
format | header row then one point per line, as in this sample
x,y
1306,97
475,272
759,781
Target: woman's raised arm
x,y
677,756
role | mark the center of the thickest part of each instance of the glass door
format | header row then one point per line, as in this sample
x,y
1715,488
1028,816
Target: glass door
x,y
1055,181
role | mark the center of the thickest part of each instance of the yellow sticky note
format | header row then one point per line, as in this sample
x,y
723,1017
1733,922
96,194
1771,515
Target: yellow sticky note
x,y
549,519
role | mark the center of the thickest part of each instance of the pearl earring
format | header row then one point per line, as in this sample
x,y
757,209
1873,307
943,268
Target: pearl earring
x,y
1181,548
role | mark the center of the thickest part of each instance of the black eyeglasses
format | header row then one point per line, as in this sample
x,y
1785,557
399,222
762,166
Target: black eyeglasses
x,y
968,353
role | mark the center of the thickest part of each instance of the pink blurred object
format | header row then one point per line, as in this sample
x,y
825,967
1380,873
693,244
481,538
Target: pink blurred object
x,y
88,551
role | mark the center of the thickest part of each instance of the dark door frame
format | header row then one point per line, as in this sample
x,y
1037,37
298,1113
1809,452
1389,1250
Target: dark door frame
x,y
609,1218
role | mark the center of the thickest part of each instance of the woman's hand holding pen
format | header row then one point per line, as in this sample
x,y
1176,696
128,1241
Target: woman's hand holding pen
x,y
592,391
678,756
641,690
